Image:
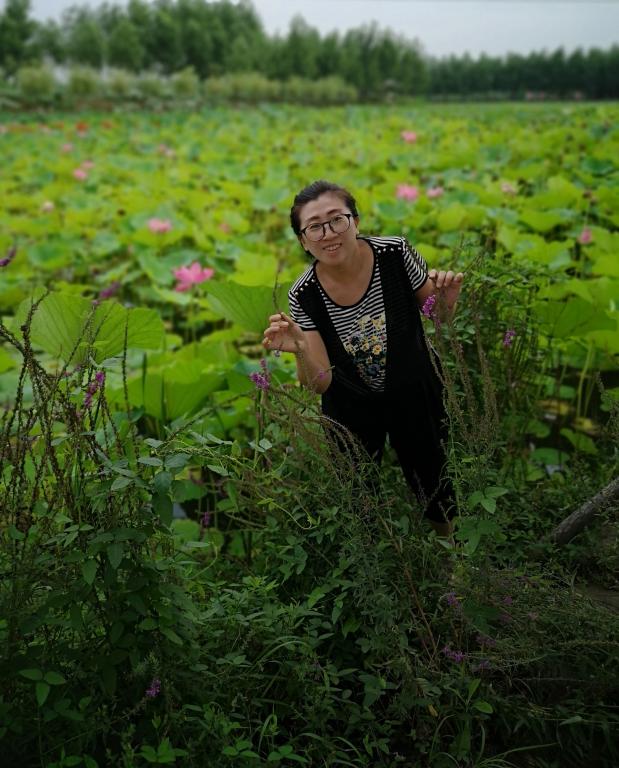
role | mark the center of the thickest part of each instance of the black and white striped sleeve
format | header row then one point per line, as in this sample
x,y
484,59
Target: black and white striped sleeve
x,y
415,264
298,314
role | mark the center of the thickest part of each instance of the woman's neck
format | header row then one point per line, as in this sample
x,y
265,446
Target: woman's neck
x,y
347,270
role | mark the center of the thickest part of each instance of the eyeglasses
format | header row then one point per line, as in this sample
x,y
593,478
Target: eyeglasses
x,y
337,225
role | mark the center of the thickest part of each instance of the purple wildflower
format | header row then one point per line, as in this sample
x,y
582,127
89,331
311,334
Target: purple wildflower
x,y
452,600
261,380
10,255
111,290
510,335
508,600
456,656
93,387
155,688
428,306
206,519
483,664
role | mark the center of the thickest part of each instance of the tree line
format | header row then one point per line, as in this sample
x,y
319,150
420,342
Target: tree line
x,y
220,38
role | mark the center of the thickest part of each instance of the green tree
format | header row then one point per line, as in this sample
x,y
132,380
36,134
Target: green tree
x,y
48,40
85,38
16,31
165,37
124,48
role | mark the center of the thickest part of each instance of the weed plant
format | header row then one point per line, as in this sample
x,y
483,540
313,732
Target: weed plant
x,y
314,620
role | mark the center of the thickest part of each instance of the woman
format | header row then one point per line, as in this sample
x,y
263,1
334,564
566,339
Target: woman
x,y
357,335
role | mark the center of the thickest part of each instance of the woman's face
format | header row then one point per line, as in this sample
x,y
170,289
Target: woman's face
x,y
334,247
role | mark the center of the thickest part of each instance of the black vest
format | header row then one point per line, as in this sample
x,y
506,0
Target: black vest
x,y
408,356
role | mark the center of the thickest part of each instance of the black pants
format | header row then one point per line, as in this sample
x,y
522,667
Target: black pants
x,y
415,423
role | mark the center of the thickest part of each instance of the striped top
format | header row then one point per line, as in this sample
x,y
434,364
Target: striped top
x,y
362,326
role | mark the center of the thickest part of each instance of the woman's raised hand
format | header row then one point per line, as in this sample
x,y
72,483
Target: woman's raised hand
x,y
283,334
447,284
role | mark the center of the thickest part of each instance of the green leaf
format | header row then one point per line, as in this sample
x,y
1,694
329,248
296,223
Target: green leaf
x,y
150,461
473,686
42,692
162,482
541,221
576,317
218,469
572,720
89,571
162,506
66,327
175,390
15,533
171,635
484,706
6,361
451,218
495,491
115,554
54,678
121,482
488,504
148,624
177,461
581,442
31,674
247,305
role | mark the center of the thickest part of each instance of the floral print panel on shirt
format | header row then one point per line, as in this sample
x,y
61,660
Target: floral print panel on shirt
x,y
367,345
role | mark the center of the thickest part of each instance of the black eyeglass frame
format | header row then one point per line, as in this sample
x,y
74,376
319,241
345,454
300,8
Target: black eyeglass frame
x,y
324,224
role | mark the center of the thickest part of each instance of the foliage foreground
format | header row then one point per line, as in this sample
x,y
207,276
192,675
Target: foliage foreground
x,y
190,573
309,622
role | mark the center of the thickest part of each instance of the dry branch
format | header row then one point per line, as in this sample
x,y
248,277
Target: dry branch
x,y
581,517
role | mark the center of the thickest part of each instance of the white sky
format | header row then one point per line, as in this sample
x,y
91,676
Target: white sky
x,y
495,27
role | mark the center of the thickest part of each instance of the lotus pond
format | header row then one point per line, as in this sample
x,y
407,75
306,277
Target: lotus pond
x,y
185,575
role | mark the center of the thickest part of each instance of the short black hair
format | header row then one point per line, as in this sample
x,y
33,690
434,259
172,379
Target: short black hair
x,y
312,192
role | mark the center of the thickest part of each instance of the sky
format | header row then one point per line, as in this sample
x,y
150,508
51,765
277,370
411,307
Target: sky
x,y
495,27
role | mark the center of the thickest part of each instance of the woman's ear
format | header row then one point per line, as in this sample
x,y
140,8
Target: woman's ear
x,y
300,239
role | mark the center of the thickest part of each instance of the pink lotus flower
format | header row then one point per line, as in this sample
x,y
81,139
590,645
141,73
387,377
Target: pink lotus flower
x,y
68,147
508,189
47,206
80,174
585,237
159,226
409,136
406,192
434,192
193,275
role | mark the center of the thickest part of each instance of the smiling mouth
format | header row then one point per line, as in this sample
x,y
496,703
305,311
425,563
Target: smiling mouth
x,y
332,248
